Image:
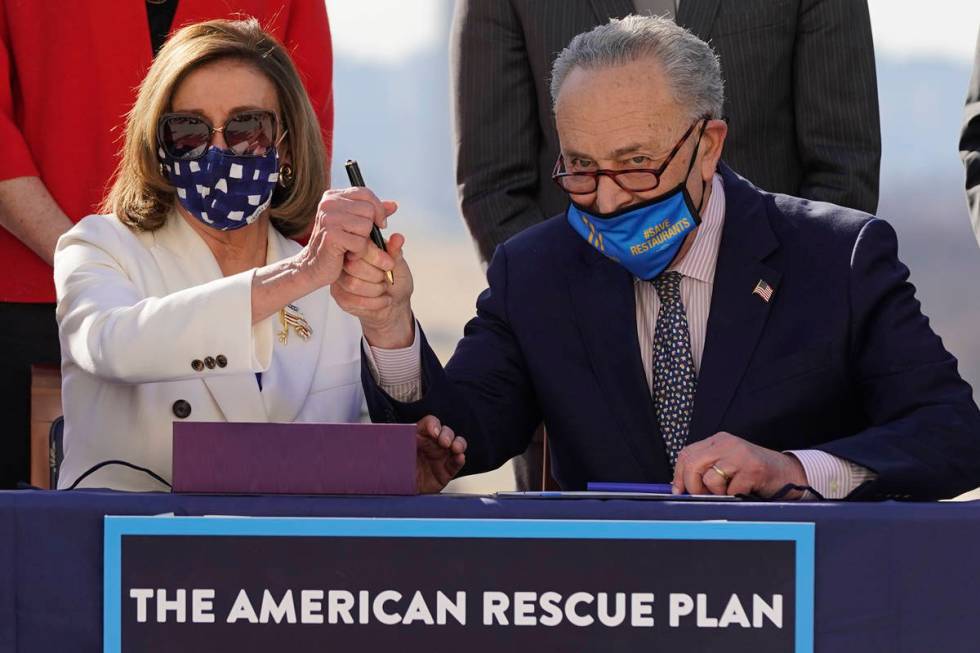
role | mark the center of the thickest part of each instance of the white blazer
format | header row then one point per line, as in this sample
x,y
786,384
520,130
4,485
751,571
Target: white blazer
x,y
149,327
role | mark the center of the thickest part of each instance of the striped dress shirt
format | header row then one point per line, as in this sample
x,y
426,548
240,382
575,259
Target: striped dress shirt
x,y
399,371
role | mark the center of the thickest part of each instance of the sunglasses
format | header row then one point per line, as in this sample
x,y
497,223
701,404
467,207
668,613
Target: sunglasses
x,y
187,136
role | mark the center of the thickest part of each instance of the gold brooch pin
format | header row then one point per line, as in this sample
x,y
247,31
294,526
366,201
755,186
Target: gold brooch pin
x,y
291,316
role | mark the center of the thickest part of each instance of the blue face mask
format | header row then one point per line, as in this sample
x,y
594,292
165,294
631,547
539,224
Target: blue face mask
x,y
223,190
644,238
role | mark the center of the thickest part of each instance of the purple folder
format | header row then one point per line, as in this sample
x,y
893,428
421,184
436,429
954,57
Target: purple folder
x,y
267,458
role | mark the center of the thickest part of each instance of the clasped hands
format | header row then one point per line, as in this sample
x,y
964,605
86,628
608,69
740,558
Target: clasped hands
x,y
340,254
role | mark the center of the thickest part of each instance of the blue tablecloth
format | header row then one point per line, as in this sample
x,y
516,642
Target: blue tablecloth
x,y
889,576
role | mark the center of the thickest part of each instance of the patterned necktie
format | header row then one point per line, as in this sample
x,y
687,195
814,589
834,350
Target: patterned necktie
x,y
674,379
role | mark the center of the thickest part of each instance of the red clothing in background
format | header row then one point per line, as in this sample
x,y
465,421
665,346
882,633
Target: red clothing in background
x,y
69,73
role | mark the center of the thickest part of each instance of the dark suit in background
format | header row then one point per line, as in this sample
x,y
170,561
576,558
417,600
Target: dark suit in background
x,y
970,144
800,97
840,359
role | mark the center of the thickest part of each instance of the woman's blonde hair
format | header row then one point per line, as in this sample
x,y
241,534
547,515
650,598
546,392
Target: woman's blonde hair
x,y
141,197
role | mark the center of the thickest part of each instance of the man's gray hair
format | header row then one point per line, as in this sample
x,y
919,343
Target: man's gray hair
x,y
691,66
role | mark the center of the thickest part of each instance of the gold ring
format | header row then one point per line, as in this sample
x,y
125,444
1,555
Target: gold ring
x,y
720,472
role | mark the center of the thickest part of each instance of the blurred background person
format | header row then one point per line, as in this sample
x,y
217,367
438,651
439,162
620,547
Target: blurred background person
x,y
67,77
970,144
801,101
187,300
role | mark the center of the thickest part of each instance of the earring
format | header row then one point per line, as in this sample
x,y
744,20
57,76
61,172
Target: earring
x,y
285,175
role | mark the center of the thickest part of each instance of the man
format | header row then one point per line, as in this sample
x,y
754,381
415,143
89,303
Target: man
x,y
68,74
801,102
678,324
970,144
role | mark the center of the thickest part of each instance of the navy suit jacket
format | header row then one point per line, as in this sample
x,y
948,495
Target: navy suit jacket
x,y
841,359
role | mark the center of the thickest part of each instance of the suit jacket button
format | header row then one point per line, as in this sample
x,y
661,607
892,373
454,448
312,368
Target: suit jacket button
x,y
209,362
181,408
197,365
221,360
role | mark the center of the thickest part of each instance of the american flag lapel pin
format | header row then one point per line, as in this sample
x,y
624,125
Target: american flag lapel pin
x,y
291,316
763,290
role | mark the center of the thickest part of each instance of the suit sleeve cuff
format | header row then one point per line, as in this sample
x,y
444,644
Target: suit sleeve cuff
x,y
832,477
397,371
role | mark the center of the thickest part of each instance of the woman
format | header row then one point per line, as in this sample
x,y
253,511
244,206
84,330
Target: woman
x,y
85,60
187,300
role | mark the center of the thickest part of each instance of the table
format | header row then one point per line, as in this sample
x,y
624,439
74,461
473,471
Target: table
x,y
889,576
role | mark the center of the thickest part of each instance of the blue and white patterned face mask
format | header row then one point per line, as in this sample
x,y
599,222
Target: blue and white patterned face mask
x,y
223,190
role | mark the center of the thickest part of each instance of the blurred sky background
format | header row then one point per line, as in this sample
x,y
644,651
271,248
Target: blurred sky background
x,y
391,93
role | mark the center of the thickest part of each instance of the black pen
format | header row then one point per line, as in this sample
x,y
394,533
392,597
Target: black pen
x,y
354,174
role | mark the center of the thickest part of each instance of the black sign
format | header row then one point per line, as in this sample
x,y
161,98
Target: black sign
x,y
256,584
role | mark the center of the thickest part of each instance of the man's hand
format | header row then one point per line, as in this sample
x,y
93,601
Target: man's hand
x,y
439,456
363,290
727,464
